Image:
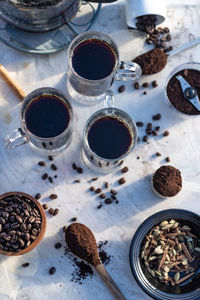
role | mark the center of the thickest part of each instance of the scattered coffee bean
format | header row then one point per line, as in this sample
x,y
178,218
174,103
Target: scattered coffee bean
x,y
114,192
117,201
51,211
92,188
50,157
56,211
74,166
25,265
158,154
74,219
54,167
55,176
53,196
41,163
154,133
122,180
102,196
166,133
144,93
58,245
106,185
145,138
45,206
108,200
167,159
121,89
79,170
77,181
156,117
44,145
38,196
154,84
145,84
44,176
149,126
52,270
157,128
136,85
138,157
94,179
139,124
113,197
99,206
166,29
121,162
97,191
50,179
124,170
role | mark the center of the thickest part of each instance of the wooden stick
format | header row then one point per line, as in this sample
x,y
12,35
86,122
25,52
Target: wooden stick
x,y
110,283
13,85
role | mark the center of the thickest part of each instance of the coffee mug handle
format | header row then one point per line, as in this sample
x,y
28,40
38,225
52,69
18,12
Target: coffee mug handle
x,y
109,100
16,138
129,71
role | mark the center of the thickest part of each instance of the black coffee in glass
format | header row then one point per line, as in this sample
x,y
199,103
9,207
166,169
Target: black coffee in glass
x,y
93,59
47,116
109,137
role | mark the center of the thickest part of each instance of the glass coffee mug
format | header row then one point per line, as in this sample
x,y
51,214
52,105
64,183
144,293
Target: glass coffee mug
x,y
93,64
46,118
109,136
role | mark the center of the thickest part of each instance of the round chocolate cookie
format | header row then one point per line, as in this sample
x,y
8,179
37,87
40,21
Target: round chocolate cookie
x,y
167,181
175,93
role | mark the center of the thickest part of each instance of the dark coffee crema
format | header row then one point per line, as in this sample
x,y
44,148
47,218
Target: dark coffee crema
x,y
93,59
47,116
109,137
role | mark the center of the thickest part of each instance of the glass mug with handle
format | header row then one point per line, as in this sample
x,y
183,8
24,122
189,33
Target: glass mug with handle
x,y
46,118
93,65
109,136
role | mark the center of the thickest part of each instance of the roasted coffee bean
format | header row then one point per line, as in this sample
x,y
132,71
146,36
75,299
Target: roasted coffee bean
x,y
98,191
166,29
18,233
29,226
106,185
79,170
23,227
53,196
15,225
44,145
74,166
99,206
52,270
18,211
136,85
117,201
58,245
149,41
2,221
25,265
102,196
139,124
166,133
158,154
54,167
50,157
44,176
144,93
56,211
122,180
31,219
114,192
154,133
6,237
38,196
148,132
5,215
154,84
7,226
74,219
27,236
0,228
145,138
145,84
34,231
37,221
19,219
121,89
113,197
149,126
92,188
157,128
21,242
50,179
28,243
41,163
108,200
33,237
94,178
167,159
156,117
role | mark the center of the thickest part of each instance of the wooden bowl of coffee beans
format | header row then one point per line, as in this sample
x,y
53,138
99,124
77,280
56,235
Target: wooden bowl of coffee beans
x,y
22,223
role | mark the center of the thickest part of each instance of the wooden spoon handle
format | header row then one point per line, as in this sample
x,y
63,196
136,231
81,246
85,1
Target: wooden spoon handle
x,y
110,282
14,86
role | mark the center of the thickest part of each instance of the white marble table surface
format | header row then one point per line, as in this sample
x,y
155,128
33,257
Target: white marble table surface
x,y
115,223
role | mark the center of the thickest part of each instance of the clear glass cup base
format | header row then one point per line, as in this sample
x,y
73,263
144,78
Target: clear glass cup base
x,y
82,99
100,169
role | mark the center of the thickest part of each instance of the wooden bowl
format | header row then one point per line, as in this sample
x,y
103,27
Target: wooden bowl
x,y
43,224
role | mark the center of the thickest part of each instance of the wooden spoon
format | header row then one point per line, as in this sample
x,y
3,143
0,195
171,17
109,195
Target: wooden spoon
x,y
82,243
14,86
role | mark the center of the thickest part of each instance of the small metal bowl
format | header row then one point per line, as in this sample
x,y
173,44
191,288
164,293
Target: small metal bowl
x,y
152,286
43,224
189,65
